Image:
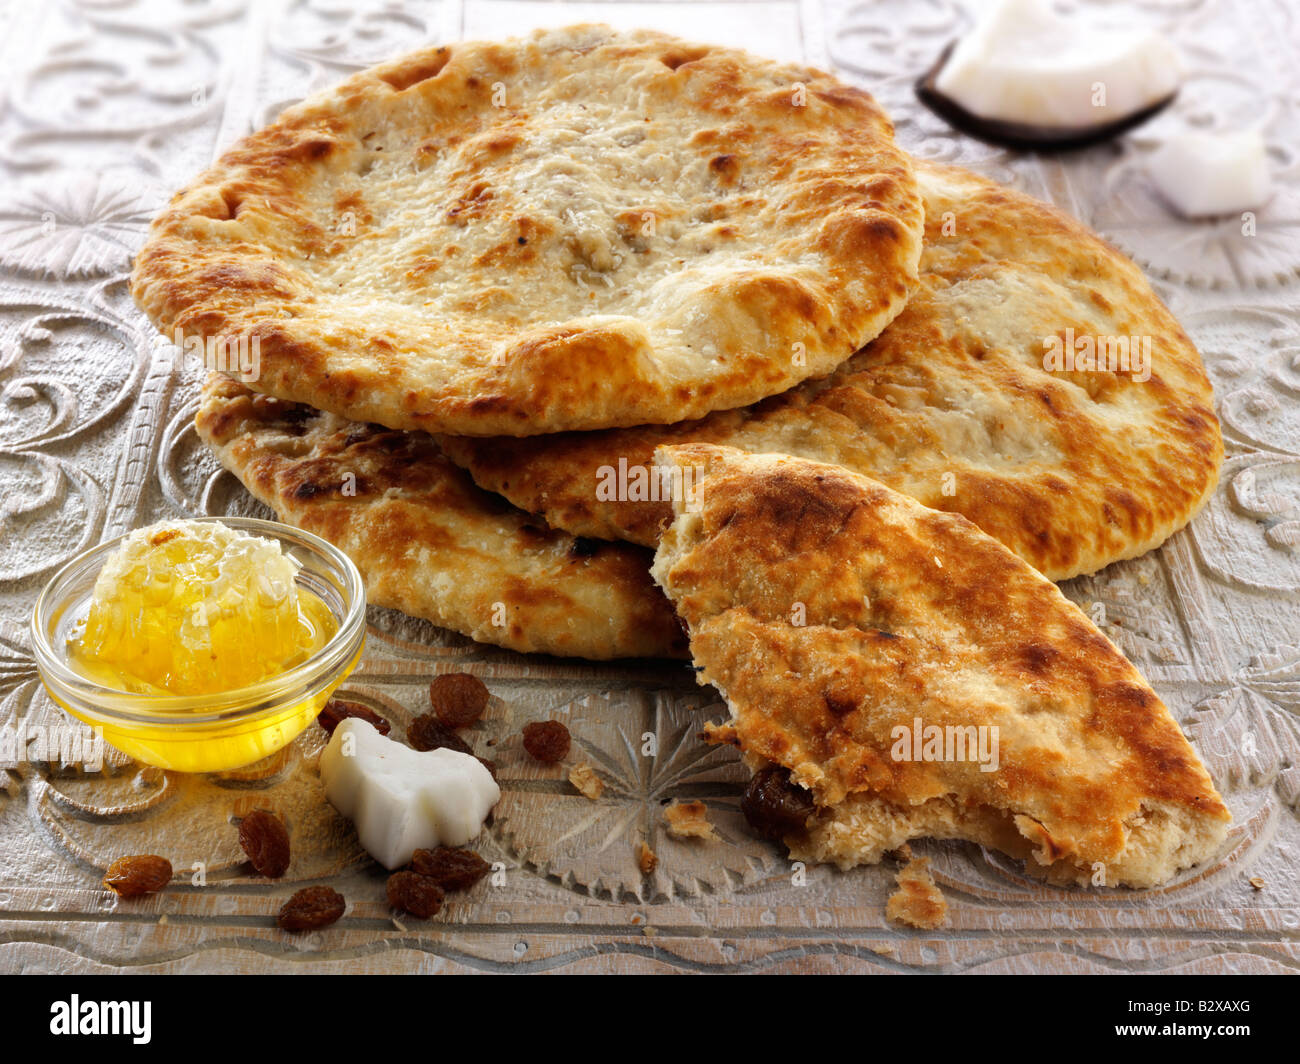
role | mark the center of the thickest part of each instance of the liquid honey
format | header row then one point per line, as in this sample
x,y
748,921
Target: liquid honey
x,y
199,609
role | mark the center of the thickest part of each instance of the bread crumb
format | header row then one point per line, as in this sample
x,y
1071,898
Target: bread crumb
x,y
649,931
584,777
720,734
689,820
1257,882
917,902
646,859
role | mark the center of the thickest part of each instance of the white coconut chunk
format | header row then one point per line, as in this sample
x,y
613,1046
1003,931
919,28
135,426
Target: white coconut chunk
x,y
1025,63
402,800
1204,174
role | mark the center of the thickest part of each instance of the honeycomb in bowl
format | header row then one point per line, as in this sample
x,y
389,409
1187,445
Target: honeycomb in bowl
x,y
195,608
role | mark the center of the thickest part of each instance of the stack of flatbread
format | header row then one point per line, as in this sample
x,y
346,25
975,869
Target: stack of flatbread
x,y
523,312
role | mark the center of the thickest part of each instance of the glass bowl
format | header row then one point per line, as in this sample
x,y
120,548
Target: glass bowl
x,y
205,733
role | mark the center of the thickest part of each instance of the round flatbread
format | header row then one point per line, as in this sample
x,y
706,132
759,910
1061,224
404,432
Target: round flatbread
x,y
574,230
428,542
954,404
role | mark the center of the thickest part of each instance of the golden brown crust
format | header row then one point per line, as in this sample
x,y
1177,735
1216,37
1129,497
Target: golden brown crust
x,y
952,405
428,542
917,902
831,610
577,229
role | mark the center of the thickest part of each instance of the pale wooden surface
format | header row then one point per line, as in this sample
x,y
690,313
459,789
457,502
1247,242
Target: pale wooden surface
x,y
107,108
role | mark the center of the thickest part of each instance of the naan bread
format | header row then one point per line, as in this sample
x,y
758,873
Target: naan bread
x,y
577,229
952,404
832,611
428,542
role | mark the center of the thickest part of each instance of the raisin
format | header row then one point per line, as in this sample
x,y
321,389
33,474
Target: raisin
x,y
450,869
129,877
337,710
547,740
458,699
311,908
415,894
266,841
426,733
774,805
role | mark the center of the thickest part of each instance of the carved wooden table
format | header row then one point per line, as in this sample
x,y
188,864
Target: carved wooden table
x,y
110,106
